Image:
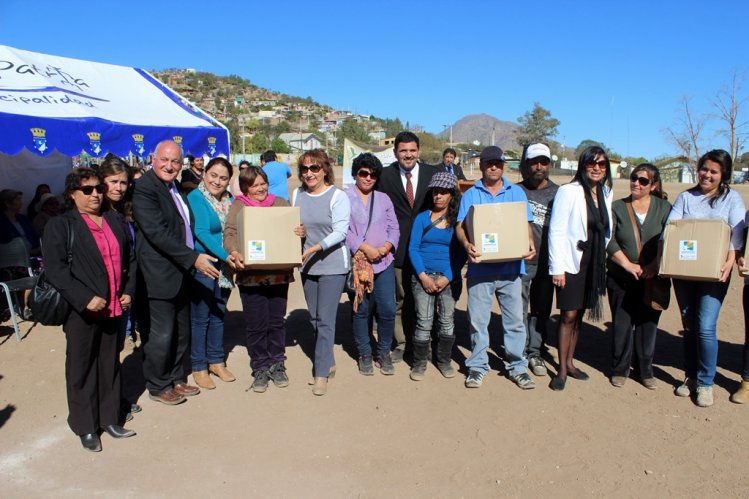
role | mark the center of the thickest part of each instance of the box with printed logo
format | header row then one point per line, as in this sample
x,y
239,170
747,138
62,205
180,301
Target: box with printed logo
x,y
694,250
267,237
499,231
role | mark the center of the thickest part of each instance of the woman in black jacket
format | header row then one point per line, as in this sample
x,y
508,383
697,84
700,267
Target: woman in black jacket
x,y
96,276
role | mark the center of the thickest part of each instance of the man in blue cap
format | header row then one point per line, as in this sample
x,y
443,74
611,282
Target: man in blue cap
x,y
501,279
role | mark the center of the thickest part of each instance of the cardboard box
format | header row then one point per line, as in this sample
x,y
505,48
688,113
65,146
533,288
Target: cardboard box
x,y
499,231
267,237
695,249
744,271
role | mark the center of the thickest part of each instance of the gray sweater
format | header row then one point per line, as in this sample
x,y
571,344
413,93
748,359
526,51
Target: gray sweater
x,y
326,218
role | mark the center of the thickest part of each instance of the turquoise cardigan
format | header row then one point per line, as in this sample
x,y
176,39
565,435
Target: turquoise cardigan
x,y
209,234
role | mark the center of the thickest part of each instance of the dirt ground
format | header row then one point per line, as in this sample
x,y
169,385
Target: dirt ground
x,y
385,436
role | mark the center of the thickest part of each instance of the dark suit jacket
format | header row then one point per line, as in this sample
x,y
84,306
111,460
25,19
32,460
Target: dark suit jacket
x,y
85,276
163,256
457,170
390,183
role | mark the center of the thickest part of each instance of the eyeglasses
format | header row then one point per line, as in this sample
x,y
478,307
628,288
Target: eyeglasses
x,y
543,161
89,189
310,168
494,164
600,164
366,174
643,181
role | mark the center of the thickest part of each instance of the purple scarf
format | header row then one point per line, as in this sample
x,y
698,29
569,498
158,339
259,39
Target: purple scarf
x,y
268,201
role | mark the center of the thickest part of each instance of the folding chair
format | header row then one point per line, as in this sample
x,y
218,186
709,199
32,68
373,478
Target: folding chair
x,y
15,254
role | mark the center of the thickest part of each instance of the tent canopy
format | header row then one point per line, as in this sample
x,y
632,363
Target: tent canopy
x,y
50,103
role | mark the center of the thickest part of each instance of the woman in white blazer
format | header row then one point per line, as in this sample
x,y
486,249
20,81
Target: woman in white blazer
x,y
579,232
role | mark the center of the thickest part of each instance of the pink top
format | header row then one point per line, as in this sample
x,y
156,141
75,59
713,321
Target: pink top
x,y
109,248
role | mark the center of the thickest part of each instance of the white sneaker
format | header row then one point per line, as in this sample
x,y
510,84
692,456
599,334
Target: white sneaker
x,y
704,396
685,388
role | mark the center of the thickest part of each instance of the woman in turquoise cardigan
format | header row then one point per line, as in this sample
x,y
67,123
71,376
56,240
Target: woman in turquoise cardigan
x,y
633,259
209,204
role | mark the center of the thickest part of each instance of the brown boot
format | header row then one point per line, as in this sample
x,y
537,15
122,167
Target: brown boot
x,y
203,380
222,372
741,396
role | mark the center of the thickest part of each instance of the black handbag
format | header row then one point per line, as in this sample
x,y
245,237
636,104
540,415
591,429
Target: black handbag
x,y
47,305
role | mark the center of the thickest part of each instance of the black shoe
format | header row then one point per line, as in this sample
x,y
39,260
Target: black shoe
x,y
128,417
386,364
557,383
397,355
579,375
260,383
117,431
278,375
365,365
135,408
91,442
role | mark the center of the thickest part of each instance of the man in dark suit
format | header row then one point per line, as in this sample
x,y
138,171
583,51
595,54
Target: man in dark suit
x,y
448,164
405,182
166,259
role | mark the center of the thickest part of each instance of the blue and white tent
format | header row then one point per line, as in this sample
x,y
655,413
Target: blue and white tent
x,y
50,103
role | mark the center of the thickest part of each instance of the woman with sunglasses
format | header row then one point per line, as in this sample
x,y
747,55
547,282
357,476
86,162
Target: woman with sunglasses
x,y
372,239
96,276
579,231
639,220
325,212
700,301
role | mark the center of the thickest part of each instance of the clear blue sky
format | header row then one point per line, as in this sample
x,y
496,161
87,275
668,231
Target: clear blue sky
x,y
609,71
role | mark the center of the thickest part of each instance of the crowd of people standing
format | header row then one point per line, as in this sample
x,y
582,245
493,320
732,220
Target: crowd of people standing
x,y
168,255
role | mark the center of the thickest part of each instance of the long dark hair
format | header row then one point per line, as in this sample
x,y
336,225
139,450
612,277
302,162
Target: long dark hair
x,y
451,215
587,157
726,167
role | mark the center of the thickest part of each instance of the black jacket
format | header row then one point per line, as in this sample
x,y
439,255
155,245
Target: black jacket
x,y
85,276
164,259
457,170
391,184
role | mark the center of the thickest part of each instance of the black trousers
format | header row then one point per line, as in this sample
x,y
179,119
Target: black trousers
x,y
92,372
165,336
634,327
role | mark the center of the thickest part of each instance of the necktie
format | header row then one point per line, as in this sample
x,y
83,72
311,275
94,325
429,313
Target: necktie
x,y
409,190
450,169
188,230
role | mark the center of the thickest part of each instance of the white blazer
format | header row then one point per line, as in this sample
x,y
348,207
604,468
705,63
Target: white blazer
x,y
569,224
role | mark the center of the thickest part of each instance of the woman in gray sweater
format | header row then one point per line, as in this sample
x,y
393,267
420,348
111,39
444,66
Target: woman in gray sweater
x,y
325,213
639,220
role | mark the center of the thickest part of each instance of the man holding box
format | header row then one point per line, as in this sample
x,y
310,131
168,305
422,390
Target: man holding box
x,y
500,279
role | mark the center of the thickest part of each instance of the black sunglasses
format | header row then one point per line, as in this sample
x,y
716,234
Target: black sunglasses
x,y
642,180
89,189
311,168
366,174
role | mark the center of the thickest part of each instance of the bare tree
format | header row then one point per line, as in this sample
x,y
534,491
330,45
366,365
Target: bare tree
x,y
729,105
686,134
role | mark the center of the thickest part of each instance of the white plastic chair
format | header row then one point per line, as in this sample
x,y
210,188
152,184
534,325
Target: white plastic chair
x,y
15,254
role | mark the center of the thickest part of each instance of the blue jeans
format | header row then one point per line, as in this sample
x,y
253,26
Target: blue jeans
x,y
384,297
208,306
508,290
699,304
425,310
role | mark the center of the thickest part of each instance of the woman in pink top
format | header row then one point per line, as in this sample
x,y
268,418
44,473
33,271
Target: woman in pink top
x,y
96,276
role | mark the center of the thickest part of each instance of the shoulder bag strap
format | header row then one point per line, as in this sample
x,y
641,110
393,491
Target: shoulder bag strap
x,y
431,226
635,227
371,210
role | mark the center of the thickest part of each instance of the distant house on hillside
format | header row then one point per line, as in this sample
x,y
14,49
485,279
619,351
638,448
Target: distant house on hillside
x,y
304,141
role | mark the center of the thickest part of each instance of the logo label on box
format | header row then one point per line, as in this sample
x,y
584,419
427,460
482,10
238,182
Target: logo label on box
x,y
489,242
256,250
688,249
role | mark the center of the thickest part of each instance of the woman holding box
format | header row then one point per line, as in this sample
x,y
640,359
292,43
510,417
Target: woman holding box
x,y
579,231
263,292
700,302
325,213
209,203
633,259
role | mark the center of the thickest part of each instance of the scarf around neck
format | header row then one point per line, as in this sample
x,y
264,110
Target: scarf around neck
x,y
268,201
600,227
221,208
